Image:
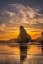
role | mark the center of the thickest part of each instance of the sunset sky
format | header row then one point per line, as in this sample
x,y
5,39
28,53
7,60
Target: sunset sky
x,y
14,13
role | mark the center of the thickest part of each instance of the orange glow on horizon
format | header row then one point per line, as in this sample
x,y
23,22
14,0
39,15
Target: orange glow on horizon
x,y
34,35
11,35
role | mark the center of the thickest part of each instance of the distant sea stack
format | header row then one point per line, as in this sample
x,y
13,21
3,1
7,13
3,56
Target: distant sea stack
x,y
23,36
40,38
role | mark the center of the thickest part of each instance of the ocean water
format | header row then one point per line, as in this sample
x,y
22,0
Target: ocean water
x,y
10,54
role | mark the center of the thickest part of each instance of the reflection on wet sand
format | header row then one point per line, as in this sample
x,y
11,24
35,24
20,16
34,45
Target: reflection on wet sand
x,y
11,55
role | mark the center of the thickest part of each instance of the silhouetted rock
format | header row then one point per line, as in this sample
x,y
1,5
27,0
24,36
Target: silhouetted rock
x,y
39,39
23,36
12,40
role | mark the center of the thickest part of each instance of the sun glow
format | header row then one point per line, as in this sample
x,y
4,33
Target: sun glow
x,y
14,33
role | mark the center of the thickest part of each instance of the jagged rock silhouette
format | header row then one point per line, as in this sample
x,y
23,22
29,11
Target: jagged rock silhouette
x,y
23,36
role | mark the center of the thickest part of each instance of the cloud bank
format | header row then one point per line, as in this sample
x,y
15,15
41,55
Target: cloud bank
x,y
20,14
